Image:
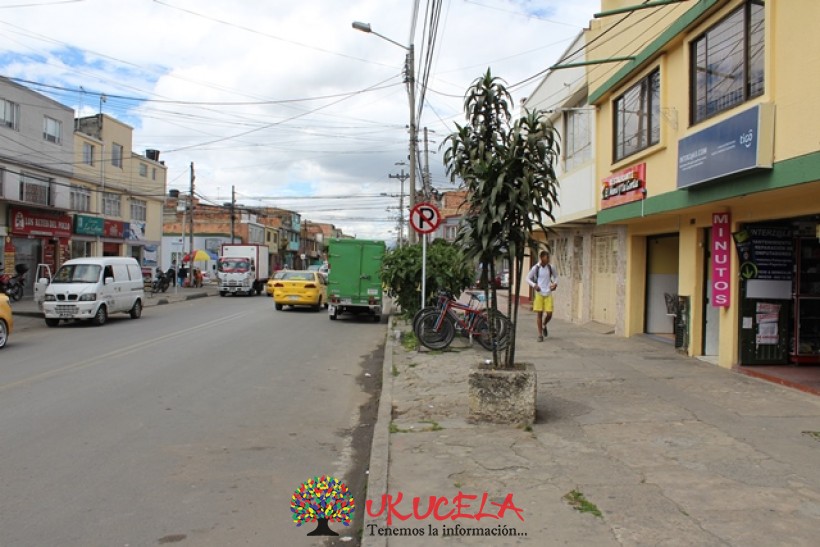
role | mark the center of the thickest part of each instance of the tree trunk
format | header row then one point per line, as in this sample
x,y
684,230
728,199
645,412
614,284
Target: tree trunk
x,y
322,529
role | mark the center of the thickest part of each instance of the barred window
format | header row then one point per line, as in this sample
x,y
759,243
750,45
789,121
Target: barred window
x,y
34,190
728,62
143,170
139,209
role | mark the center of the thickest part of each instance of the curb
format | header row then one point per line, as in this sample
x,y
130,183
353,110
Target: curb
x,y
380,446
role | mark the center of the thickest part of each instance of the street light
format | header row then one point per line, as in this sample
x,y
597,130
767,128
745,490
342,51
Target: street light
x,y
410,70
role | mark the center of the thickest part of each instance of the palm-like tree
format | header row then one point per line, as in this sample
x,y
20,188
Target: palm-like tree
x,y
508,169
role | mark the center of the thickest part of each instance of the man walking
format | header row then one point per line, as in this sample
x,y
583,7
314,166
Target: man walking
x,y
544,280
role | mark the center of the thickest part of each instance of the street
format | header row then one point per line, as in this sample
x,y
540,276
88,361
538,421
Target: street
x,y
195,423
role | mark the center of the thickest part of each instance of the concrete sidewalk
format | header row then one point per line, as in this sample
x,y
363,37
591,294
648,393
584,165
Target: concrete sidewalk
x,y
670,450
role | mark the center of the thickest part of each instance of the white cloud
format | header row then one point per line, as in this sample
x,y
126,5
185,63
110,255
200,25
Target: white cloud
x,y
234,52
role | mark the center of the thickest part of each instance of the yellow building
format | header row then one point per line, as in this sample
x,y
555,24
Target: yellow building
x,y
117,194
708,152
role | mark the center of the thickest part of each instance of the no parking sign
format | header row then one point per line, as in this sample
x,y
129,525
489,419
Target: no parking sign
x,y
425,218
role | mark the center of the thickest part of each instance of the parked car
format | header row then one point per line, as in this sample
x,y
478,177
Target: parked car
x,y
299,288
6,320
93,288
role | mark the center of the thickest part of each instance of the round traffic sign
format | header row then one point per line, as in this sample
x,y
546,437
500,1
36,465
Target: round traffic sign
x,y
425,218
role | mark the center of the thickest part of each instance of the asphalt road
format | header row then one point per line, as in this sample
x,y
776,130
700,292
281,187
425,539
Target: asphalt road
x,y
192,425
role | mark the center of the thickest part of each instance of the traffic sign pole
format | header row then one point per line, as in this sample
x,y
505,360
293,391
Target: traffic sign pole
x,y
424,218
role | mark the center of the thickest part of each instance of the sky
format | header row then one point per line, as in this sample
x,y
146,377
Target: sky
x,y
282,99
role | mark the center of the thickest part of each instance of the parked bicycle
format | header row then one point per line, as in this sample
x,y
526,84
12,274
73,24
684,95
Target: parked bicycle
x,y
436,326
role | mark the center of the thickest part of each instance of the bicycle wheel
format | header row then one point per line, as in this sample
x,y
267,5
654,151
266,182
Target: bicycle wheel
x,y
418,315
430,337
503,329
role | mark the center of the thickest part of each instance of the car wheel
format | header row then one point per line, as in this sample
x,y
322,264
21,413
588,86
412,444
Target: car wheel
x,y
52,322
377,318
318,306
100,317
4,334
136,310
278,307
222,293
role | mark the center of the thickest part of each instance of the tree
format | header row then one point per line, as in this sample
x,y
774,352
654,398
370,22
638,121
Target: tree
x,y
447,270
322,499
508,169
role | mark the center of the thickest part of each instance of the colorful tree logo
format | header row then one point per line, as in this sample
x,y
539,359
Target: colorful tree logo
x,y
322,499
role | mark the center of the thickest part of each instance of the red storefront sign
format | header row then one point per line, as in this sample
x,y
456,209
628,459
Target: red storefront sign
x,y
25,222
114,229
721,243
624,186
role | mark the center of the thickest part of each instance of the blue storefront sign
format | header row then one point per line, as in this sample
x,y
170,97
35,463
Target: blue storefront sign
x,y
735,145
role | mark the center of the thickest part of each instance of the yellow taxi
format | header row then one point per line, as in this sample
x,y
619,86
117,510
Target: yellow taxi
x,y
299,288
6,320
269,285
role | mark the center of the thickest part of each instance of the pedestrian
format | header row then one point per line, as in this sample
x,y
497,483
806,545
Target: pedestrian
x,y
543,279
183,275
172,273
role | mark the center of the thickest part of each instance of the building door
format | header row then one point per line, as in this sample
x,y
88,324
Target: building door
x,y
711,317
661,279
604,278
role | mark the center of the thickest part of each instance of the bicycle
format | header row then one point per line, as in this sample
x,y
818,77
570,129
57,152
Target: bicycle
x,y
435,326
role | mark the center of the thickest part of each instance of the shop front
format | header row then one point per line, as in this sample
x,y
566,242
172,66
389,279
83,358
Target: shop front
x,y
37,237
779,266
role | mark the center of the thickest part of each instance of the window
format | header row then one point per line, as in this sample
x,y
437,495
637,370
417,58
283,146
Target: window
x,y
52,130
727,62
139,209
34,190
88,153
153,173
577,139
143,170
9,114
116,155
80,198
637,117
111,204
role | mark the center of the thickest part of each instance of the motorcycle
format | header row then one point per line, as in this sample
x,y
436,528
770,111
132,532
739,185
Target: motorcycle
x,y
13,285
161,282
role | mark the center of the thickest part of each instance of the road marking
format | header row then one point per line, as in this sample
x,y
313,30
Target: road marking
x,y
116,353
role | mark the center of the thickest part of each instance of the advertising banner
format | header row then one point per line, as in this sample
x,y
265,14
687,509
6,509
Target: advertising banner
x,y
39,223
721,250
624,186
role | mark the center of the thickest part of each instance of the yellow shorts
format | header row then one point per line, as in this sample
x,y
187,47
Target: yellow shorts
x,y
542,303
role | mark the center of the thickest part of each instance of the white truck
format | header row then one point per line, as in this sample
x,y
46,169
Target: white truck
x,y
242,269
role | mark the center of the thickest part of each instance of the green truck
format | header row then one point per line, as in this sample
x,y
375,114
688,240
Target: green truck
x,y
354,282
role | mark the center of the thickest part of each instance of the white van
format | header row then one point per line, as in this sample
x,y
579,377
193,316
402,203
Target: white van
x,y
93,288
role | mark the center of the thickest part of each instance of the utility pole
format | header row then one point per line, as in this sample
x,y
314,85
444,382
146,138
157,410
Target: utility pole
x,y
402,177
411,86
425,175
233,208
191,235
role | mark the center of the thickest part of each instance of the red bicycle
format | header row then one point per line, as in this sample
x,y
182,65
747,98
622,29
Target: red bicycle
x,y
436,326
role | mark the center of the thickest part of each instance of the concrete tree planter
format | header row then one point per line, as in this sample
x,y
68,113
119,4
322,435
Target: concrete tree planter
x,y
502,396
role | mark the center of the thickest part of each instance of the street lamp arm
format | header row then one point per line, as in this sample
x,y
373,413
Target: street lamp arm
x,y
365,27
